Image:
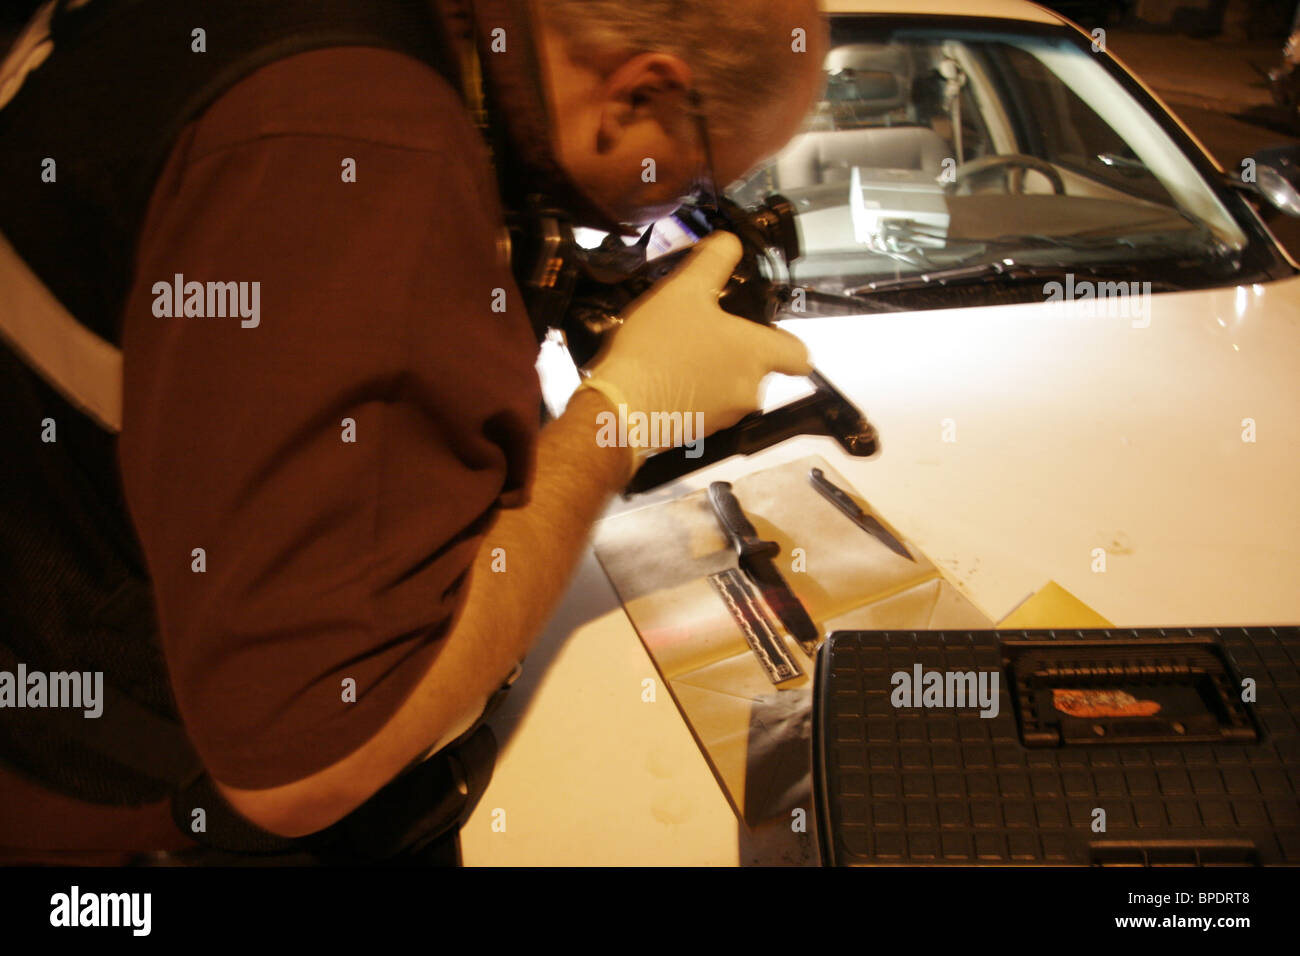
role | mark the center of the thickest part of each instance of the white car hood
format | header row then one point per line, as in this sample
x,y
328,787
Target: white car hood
x,y
1072,433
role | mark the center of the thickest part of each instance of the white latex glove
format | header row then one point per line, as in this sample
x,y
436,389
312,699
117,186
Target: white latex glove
x,y
679,351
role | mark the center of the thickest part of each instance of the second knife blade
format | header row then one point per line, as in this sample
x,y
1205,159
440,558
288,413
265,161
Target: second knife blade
x,y
756,556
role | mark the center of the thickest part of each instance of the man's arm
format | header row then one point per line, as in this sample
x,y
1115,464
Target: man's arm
x,y
502,615
660,359
313,490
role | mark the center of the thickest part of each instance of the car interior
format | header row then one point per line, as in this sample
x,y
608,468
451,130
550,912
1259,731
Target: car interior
x,y
927,149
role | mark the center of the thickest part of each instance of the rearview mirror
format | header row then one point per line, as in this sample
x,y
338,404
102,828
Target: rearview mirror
x,y
1275,187
1277,172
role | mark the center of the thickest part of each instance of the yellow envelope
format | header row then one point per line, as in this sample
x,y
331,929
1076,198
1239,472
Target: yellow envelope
x,y
1052,606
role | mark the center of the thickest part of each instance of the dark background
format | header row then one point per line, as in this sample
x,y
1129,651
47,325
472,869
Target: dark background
x,y
1206,58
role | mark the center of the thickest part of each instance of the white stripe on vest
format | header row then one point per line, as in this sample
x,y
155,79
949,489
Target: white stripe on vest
x,y
84,368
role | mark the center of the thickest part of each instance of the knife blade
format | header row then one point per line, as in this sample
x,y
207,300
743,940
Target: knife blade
x,y
760,633
843,500
756,556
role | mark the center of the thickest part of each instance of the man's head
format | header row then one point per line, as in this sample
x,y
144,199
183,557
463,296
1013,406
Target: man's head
x,y
620,74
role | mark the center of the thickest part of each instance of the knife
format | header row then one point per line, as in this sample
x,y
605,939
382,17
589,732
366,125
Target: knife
x,y
760,633
756,561
842,500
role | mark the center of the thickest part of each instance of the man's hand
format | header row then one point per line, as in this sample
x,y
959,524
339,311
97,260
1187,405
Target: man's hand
x,y
679,351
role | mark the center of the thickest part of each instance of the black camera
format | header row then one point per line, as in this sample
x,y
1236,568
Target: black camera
x,y
583,292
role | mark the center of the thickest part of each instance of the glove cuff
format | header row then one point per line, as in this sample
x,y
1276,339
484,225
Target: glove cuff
x,y
616,398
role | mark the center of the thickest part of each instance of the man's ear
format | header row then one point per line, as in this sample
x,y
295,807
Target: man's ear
x,y
646,87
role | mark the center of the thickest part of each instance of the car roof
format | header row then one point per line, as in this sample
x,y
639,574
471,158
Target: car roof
x,y
1005,9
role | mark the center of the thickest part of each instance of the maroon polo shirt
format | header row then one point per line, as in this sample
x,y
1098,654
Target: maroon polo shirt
x,y
339,463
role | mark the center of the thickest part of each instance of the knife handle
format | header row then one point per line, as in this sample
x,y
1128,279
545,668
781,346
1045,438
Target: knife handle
x,y
743,535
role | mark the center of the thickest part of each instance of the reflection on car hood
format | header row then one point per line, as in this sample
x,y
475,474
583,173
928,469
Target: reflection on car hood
x,y
1169,438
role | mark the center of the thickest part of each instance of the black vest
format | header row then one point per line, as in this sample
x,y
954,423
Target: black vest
x,y
106,106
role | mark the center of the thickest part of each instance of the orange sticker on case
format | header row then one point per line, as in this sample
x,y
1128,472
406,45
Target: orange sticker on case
x,y
1102,703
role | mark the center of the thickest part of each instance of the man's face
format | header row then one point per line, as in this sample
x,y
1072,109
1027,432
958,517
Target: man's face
x,y
609,120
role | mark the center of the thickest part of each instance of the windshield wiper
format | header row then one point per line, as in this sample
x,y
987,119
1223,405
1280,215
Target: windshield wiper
x,y
999,272
874,296
961,275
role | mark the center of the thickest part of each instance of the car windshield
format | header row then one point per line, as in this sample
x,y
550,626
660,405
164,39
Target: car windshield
x,y
945,151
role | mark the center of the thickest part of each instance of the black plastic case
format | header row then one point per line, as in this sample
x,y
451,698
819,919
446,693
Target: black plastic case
x,y
1205,779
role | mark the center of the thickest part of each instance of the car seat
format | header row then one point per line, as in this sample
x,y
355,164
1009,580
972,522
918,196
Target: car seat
x,y
869,95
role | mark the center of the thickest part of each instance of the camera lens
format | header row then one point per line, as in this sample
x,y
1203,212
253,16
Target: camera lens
x,y
775,219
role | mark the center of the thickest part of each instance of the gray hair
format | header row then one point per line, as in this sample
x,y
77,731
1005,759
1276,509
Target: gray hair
x,y
742,52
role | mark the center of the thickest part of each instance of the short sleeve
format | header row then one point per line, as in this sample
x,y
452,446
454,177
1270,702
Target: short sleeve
x,y
312,453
